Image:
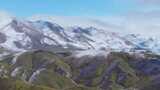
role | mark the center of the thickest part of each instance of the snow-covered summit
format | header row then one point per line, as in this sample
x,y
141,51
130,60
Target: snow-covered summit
x,y
38,33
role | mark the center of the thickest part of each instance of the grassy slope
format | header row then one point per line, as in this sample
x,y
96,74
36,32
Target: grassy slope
x,y
49,78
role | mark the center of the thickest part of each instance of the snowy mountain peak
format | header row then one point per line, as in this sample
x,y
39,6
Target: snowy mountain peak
x,y
19,35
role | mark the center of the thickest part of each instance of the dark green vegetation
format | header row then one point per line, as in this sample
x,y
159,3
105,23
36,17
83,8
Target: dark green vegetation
x,y
10,84
43,70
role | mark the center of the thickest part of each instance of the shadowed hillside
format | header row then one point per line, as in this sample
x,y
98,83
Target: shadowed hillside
x,y
115,71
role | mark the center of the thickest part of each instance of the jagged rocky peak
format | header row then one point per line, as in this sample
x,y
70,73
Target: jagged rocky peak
x,y
48,24
19,35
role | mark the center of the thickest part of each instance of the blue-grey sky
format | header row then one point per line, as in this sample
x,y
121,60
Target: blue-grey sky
x,y
123,15
76,7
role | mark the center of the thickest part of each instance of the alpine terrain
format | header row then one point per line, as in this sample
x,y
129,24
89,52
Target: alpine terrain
x,y
41,54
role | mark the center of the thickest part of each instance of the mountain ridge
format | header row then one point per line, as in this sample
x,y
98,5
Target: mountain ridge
x,y
25,35
44,55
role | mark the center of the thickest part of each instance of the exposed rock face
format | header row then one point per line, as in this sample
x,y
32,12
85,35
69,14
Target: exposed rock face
x,y
43,53
19,35
3,38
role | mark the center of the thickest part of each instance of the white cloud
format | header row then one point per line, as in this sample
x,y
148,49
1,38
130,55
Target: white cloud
x,y
145,23
5,18
149,1
69,21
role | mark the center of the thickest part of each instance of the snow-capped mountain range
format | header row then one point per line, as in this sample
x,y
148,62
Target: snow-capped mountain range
x,y
20,35
92,58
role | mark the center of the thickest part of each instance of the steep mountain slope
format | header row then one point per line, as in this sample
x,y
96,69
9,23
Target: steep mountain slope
x,y
44,55
23,35
116,71
20,35
145,43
